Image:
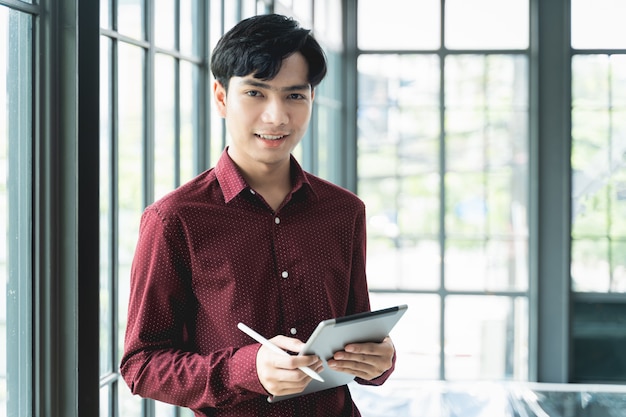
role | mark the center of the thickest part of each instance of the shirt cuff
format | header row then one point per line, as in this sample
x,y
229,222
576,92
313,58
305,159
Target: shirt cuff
x,y
244,376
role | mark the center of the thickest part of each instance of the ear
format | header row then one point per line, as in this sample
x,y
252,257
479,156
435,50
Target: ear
x,y
312,94
219,96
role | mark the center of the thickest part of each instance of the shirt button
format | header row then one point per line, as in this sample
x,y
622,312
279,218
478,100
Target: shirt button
x,y
293,330
276,220
285,274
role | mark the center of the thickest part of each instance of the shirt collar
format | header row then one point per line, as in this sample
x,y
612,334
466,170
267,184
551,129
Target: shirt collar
x,y
232,182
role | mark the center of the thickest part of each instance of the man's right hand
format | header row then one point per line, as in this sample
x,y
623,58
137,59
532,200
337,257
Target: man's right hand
x,y
279,374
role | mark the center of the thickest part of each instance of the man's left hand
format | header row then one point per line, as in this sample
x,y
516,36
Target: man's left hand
x,y
364,360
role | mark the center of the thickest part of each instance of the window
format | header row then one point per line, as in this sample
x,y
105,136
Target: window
x,y
153,95
598,161
16,139
443,149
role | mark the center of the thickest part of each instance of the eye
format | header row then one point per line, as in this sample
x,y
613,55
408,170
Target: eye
x,y
254,93
297,96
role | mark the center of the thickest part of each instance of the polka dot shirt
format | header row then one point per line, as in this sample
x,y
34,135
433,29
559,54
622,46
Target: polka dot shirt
x,y
212,254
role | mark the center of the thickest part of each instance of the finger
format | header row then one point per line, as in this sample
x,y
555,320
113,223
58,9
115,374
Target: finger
x,y
379,349
359,369
277,374
290,344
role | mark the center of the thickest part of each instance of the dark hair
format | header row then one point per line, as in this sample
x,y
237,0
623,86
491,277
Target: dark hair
x,y
258,45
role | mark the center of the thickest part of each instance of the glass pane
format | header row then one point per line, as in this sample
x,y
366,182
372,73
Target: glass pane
x,y
416,336
466,205
486,24
129,164
618,265
486,100
328,23
217,140
185,412
412,266
418,205
16,141
164,410
105,14
164,24
231,14
130,20
489,265
618,83
598,342
300,10
216,26
590,267
328,114
591,84
105,398
598,172
106,300
129,405
618,205
165,125
189,79
598,24
486,338
189,39
398,167
400,24
398,100
328,126
249,8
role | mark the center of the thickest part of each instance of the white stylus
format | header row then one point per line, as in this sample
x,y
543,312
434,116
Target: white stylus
x,y
247,330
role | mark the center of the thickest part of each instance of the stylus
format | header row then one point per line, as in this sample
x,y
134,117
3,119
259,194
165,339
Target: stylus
x,y
247,330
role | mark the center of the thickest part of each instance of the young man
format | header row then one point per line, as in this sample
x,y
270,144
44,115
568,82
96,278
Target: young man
x,y
254,240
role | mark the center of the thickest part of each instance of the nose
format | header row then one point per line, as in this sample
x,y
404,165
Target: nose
x,y
275,112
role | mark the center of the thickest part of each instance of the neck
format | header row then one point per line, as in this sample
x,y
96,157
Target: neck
x,y
272,181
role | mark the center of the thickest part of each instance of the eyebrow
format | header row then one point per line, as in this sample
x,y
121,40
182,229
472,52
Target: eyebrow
x,y
266,86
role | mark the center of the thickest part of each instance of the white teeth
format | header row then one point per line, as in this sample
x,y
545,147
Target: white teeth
x,y
270,137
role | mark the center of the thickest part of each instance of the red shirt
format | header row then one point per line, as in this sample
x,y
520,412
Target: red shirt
x,y
211,254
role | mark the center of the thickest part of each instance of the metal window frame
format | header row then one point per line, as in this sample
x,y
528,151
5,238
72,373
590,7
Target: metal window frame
x,y
65,208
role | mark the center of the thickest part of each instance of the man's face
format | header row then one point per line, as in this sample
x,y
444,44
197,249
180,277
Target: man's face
x,y
266,119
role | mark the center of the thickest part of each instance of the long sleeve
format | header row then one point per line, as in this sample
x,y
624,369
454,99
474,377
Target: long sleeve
x,y
158,360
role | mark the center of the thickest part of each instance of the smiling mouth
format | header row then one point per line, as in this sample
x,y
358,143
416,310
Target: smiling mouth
x,y
269,137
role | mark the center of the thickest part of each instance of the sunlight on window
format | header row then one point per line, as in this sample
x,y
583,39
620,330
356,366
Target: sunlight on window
x,y
443,171
400,24
4,35
487,24
16,139
599,173
598,24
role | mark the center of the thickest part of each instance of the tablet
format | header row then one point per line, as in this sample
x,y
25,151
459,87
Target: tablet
x,y
332,335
